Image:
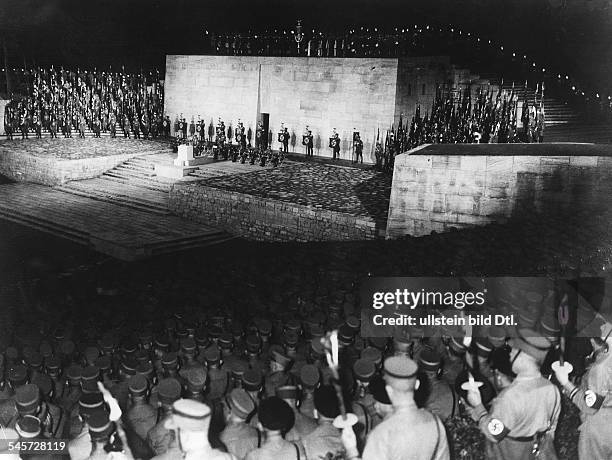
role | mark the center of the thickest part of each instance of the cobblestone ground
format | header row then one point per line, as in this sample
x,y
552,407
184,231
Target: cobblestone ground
x,y
75,148
355,191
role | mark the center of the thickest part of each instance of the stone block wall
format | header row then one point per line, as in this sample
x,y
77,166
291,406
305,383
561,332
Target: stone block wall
x,y
363,94
22,167
259,219
440,192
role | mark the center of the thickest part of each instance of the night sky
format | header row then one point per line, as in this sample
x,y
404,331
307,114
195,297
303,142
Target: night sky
x,y
138,33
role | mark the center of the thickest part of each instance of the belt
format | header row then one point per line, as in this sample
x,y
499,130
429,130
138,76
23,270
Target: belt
x,y
532,438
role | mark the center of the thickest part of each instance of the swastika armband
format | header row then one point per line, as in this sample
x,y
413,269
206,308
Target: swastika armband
x,y
592,399
497,429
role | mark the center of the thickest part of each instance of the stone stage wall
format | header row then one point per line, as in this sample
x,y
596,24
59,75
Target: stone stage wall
x,y
439,187
324,93
261,219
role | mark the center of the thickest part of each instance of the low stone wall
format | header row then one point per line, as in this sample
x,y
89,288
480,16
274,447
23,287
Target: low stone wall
x,y
262,219
21,166
438,192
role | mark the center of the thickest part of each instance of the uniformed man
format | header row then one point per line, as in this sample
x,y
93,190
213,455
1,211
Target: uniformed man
x,y
439,397
102,431
286,137
363,401
410,432
325,439
279,371
141,417
159,438
334,143
303,425
358,148
275,418
191,420
593,398
192,127
166,126
238,436
309,142
79,446
523,417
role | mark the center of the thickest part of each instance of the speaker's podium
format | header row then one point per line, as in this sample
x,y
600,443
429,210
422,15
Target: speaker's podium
x,y
182,165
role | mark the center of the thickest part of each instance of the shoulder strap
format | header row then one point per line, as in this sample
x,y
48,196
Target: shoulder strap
x,y
435,452
366,416
258,439
297,450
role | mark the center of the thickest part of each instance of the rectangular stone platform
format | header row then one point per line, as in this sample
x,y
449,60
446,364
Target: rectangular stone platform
x,y
118,231
295,202
56,161
440,187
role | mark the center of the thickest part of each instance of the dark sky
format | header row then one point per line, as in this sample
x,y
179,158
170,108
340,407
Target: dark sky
x,y
138,33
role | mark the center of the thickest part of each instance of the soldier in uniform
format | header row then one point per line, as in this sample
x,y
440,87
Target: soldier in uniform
x,y
325,439
358,148
410,432
112,122
159,438
303,425
238,436
593,399
192,127
183,126
279,372
286,136
335,145
8,121
440,397
102,430
275,418
141,417
53,128
309,142
36,121
166,126
523,417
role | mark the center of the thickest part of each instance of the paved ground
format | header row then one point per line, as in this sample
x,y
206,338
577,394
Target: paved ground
x,y
120,231
75,148
355,191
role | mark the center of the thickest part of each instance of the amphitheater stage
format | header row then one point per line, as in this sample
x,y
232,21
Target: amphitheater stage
x,y
56,161
444,187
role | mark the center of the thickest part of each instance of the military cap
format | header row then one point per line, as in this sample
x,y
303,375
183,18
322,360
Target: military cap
x,y
287,392
168,390
253,343
17,375
309,376
91,353
201,338
103,363
90,373
188,345
378,390
252,380
66,347
400,367
28,426
240,403
129,345
372,354
238,368
26,352
530,342
142,356
89,402
279,357
264,326
293,325
316,332
53,364
379,342
326,401
12,354
27,398
182,333
44,383
100,426
482,346
73,374
161,342
196,378
189,415
317,348
108,344
500,360
215,332
364,369
169,360
128,365
290,338
138,385
275,414
549,326
402,345
345,334
429,360
145,336
226,341
45,349
212,354
497,336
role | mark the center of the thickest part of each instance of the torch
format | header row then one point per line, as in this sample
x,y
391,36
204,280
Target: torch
x,y
563,317
330,342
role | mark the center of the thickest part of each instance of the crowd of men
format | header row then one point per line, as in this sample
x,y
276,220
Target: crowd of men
x,y
206,384
457,117
63,102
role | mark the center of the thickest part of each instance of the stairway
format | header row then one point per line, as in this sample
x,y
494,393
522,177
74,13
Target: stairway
x,y
131,184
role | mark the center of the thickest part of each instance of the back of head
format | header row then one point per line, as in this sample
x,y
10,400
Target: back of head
x,y
326,401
